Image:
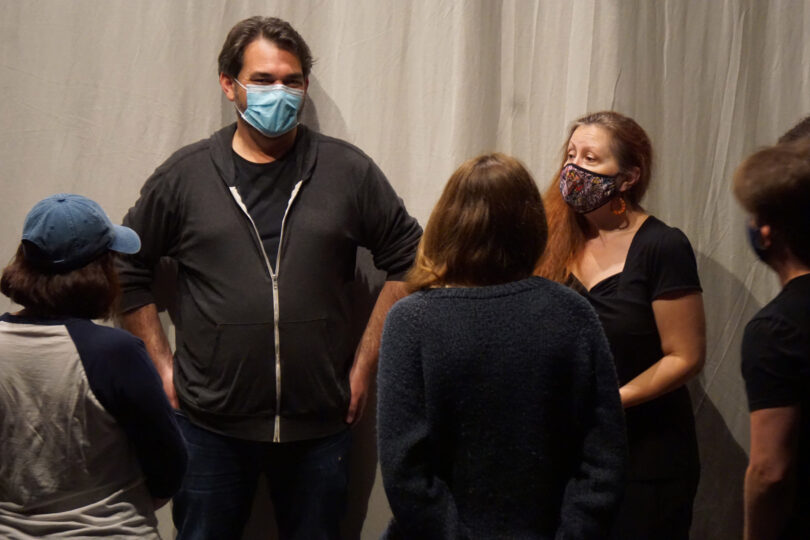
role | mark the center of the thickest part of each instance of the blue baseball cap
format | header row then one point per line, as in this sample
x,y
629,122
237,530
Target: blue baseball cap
x,y
64,232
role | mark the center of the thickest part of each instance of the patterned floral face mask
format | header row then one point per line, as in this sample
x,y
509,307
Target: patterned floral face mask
x,y
585,191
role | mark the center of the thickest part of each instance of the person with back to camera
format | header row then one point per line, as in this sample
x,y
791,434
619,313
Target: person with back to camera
x,y
641,277
498,414
89,443
773,186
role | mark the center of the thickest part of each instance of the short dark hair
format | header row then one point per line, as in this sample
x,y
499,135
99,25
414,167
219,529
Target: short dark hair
x,y
245,32
488,227
799,131
774,186
89,292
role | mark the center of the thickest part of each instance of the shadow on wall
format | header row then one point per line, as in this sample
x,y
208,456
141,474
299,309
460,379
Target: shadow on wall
x,y
326,111
721,413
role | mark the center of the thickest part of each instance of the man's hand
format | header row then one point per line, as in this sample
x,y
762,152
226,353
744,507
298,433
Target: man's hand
x,y
144,323
360,382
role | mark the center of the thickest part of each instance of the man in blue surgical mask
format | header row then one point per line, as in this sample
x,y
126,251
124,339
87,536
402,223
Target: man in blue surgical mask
x,y
264,219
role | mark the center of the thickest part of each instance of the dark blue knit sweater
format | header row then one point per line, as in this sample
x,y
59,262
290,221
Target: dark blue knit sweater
x,y
499,415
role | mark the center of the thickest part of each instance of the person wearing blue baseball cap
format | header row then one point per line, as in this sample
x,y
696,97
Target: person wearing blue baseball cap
x,y
89,441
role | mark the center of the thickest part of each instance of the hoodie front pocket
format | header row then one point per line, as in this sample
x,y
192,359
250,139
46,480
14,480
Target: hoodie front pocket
x,y
241,370
313,381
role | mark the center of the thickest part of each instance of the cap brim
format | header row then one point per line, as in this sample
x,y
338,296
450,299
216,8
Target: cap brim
x,y
126,240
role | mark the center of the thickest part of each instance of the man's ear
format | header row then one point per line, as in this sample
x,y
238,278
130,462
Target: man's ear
x,y
632,177
228,86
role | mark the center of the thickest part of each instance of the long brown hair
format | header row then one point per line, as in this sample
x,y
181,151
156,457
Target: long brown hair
x,y
488,227
632,149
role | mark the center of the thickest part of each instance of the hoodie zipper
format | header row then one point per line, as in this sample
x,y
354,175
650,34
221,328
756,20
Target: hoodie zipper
x,y
274,279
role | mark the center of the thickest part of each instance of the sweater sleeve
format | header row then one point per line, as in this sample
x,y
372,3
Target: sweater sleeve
x,y
390,233
421,502
593,493
155,217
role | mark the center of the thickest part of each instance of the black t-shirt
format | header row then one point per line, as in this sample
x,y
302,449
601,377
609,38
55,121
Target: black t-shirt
x,y
776,369
265,190
661,432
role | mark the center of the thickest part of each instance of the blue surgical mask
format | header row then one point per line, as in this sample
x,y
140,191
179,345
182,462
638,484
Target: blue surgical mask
x,y
271,109
755,239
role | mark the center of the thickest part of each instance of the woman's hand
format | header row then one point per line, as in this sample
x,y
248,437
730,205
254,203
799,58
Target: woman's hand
x,y
682,327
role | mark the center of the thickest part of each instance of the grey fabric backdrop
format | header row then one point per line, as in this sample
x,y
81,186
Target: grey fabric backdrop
x,y
96,94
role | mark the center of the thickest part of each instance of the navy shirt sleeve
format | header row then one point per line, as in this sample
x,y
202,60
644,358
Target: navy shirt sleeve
x,y
125,382
772,356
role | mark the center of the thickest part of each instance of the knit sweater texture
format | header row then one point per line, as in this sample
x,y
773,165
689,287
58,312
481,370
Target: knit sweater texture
x,y
499,415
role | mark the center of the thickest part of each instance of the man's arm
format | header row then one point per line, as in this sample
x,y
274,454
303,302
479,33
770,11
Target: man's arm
x,y
144,323
364,368
770,481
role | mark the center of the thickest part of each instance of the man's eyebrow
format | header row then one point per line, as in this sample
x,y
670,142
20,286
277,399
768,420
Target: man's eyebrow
x,y
268,75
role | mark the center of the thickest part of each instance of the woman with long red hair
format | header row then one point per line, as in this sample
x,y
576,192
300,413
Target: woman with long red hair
x,y
641,277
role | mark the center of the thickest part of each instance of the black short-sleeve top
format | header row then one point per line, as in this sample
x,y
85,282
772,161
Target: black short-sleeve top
x,y
776,369
660,260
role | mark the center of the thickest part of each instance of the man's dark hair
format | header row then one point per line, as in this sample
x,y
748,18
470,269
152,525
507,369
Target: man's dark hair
x,y
245,32
799,131
89,292
774,186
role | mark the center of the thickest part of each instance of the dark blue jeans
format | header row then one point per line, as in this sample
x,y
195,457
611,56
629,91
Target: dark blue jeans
x,y
307,481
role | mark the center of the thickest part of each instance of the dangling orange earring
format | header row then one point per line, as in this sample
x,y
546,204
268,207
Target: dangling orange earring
x,y
622,206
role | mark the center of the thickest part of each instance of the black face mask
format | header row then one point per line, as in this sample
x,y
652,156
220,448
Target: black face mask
x,y
755,239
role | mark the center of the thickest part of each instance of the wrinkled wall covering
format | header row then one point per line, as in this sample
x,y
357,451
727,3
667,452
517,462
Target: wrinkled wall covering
x,y
96,94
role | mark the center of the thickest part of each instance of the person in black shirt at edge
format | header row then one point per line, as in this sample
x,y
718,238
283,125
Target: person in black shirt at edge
x,y
641,277
773,186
